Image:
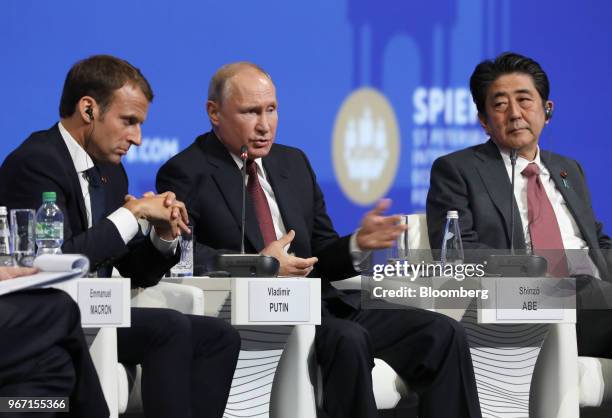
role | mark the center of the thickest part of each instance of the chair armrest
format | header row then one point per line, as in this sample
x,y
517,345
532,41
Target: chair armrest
x,y
351,283
292,391
103,353
183,298
554,385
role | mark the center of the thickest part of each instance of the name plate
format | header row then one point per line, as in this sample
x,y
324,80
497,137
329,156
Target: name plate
x,y
275,301
269,302
529,299
102,303
522,314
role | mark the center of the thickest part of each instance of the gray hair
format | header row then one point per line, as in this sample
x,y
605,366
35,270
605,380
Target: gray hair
x,y
218,86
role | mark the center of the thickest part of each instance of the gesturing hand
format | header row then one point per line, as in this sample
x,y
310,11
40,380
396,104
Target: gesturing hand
x,y
290,265
379,231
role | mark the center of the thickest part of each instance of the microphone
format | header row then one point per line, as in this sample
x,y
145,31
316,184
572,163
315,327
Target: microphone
x,y
244,155
513,157
522,265
244,265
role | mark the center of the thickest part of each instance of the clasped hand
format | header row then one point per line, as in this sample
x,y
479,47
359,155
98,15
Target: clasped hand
x,y
167,214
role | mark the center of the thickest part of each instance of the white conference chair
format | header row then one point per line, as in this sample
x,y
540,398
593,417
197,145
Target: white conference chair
x,y
112,374
564,383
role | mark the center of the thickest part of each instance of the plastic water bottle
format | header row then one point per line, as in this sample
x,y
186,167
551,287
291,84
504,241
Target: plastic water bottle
x,y
49,226
5,244
452,247
184,268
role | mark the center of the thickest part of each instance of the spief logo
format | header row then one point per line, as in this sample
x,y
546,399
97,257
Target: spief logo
x,y
365,146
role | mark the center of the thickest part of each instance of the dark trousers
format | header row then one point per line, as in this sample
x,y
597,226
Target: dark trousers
x,y
594,333
594,317
43,353
187,361
428,350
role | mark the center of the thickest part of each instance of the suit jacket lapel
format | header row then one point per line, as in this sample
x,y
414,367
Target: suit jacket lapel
x,y
493,173
278,176
575,203
75,185
229,179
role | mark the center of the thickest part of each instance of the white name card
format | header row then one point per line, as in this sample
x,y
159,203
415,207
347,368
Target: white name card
x,y
289,302
528,300
275,301
102,303
543,315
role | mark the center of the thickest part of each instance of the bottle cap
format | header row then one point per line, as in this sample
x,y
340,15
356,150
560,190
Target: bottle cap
x,y
48,197
452,214
3,211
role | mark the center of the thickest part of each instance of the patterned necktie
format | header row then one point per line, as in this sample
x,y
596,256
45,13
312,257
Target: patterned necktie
x,y
96,194
262,209
543,226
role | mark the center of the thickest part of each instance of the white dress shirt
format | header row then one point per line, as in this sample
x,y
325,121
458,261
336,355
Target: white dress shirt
x,y
126,223
570,233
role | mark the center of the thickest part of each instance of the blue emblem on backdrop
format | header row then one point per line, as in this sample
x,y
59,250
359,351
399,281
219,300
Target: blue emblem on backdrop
x,y
414,58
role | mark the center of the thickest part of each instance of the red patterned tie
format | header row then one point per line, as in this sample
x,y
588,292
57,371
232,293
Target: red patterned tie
x,y
262,209
543,226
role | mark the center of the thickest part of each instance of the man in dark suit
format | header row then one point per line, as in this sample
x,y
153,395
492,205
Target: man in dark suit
x,y
188,361
286,218
552,208
44,353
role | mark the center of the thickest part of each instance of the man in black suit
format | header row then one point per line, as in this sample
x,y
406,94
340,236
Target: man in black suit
x,y
286,218
512,97
188,361
44,353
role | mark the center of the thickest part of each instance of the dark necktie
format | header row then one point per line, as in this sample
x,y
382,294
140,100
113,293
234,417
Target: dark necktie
x,y
97,204
262,209
543,226
96,194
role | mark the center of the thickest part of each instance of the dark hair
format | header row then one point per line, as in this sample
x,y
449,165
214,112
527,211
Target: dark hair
x,y
99,76
488,71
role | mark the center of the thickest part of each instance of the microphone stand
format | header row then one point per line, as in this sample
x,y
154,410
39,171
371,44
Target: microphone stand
x,y
243,156
513,156
244,265
515,265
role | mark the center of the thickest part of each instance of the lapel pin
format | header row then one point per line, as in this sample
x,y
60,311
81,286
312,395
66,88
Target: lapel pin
x,y
104,180
563,175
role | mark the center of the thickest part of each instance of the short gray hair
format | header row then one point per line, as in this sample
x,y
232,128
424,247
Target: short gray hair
x,y
218,86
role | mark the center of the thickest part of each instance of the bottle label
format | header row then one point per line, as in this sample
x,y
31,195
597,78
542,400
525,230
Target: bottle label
x,y
4,246
4,237
49,230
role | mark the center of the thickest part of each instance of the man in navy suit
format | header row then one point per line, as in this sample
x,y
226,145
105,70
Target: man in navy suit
x,y
286,218
188,361
44,352
512,97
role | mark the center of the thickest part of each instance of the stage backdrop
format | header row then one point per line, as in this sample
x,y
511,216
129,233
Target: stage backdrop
x,y
372,91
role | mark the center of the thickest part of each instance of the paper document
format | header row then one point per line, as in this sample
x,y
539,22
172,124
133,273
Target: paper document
x,y
53,269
